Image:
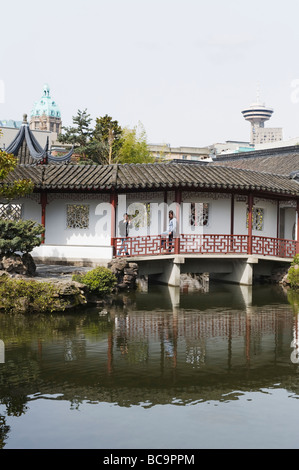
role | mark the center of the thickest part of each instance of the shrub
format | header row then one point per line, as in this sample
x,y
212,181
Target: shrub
x,y
293,276
99,280
293,272
18,295
20,235
295,260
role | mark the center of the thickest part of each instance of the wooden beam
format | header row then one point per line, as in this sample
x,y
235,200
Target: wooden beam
x,y
113,204
178,200
232,214
250,207
43,202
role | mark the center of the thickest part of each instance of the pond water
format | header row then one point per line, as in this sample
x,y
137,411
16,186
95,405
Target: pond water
x,y
157,370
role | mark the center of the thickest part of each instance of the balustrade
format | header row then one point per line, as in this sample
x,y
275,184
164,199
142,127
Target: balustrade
x,y
149,245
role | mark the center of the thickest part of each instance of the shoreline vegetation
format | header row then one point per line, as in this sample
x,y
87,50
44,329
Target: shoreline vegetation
x,y
20,293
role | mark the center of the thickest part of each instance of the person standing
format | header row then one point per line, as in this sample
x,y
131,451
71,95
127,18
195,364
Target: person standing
x,y
171,232
123,228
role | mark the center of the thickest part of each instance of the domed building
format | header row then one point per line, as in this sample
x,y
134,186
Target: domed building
x,y
46,115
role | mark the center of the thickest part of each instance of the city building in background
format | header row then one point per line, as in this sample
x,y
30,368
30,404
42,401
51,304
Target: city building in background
x,y
166,152
257,114
46,115
10,123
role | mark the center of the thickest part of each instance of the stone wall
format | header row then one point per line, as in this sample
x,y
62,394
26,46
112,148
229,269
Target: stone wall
x,y
125,272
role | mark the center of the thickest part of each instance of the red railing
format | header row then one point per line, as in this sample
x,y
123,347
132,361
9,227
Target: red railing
x,y
148,245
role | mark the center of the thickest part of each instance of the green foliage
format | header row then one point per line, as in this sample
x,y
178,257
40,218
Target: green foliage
x,y
293,299
134,147
107,142
20,235
295,260
293,273
293,276
100,280
79,134
22,296
15,188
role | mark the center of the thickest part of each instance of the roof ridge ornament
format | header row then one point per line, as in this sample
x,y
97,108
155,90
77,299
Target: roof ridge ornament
x,y
294,175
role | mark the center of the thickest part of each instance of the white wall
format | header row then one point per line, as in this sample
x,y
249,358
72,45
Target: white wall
x,y
98,233
219,214
270,218
290,223
91,255
31,209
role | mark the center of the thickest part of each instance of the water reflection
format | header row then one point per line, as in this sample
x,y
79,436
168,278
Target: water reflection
x,y
152,348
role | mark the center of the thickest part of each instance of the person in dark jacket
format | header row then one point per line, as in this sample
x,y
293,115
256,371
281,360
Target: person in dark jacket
x,y
123,228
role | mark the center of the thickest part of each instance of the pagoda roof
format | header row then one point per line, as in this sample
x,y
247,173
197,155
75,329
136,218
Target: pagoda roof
x,y
28,150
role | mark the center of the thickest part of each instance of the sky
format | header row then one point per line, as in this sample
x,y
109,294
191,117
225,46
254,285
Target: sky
x,y
184,69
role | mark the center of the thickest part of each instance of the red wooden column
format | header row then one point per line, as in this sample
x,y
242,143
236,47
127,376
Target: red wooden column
x,y
113,205
232,214
277,220
297,238
43,202
178,200
250,207
232,221
165,216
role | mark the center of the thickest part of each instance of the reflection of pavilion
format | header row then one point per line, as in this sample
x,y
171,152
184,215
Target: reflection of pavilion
x,y
195,351
200,339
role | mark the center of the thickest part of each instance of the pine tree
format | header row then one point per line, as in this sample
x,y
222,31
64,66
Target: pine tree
x,y
79,134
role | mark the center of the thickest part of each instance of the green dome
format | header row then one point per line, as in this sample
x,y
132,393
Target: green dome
x,y
46,105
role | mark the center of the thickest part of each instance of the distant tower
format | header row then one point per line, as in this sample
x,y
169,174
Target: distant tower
x,y
257,113
45,115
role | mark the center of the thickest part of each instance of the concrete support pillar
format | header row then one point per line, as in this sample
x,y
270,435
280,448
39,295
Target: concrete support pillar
x,y
242,271
172,272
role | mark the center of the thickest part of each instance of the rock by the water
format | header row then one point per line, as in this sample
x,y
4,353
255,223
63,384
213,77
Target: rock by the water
x,y
18,265
125,272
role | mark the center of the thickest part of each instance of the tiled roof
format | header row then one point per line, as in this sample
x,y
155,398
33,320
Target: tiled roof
x,y
154,176
30,172
278,161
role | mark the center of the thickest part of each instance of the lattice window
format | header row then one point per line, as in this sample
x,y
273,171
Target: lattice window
x,y
199,214
11,211
77,216
257,218
140,213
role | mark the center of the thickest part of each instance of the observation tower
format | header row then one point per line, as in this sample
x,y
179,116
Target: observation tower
x,y
257,114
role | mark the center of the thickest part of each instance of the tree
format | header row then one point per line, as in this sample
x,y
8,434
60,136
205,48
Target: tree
x,y
79,134
19,235
16,235
12,188
111,134
106,141
134,147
